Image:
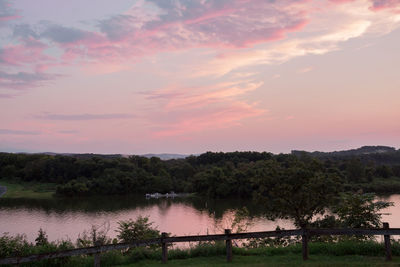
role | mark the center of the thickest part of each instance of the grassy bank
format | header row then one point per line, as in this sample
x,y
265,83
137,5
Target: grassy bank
x,y
27,190
348,253
279,260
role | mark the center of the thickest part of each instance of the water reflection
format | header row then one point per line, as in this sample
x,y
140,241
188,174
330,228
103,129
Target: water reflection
x,y
66,218
214,207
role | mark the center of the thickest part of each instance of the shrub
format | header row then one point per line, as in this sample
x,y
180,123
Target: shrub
x,y
139,229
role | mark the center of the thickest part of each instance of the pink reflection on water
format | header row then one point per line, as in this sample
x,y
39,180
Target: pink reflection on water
x,y
175,218
392,214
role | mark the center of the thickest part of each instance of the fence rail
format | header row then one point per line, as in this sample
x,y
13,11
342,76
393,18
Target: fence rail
x,y
227,236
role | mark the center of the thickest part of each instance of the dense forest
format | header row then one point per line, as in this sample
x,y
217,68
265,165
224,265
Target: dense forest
x,y
234,174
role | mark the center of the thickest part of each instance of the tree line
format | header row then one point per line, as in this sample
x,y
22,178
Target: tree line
x,y
214,174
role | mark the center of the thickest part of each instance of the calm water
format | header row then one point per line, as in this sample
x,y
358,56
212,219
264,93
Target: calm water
x,y
63,219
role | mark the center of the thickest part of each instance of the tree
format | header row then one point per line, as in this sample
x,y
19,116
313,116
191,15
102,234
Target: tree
x,y
41,239
139,229
297,192
353,210
358,210
355,170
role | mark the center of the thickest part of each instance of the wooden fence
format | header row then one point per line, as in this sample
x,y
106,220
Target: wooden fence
x,y
227,236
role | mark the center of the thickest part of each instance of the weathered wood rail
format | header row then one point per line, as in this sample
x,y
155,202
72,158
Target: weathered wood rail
x,y
227,236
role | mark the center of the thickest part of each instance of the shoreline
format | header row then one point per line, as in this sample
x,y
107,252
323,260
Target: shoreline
x,y
3,190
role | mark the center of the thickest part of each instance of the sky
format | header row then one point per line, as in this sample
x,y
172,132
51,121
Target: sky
x,y
190,76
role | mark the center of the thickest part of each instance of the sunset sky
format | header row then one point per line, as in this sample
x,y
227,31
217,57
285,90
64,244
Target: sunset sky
x,y
189,76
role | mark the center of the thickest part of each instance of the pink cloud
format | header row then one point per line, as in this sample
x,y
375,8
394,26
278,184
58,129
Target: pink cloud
x,y
25,64
7,12
195,109
228,23
28,53
6,18
233,24
24,80
384,4
198,97
169,26
376,5
341,1
209,119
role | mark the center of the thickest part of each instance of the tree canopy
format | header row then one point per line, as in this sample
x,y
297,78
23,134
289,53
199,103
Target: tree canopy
x,y
217,175
298,192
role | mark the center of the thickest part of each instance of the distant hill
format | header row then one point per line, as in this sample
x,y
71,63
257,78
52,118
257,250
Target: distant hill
x,y
165,156
365,150
367,154
81,156
383,154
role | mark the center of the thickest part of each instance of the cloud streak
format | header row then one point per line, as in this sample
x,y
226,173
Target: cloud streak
x,y
202,108
283,51
23,80
18,132
208,120
7,12
85,117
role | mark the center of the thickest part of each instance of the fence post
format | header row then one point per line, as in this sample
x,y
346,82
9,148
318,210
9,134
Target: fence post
x,y
97,256
304,242
228,246
388,247
164,248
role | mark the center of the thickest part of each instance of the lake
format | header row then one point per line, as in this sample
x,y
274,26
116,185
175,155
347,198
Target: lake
x,y
67,218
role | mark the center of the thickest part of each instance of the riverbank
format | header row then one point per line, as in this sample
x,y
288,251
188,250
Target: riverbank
x,y
278,260
25,190
3,190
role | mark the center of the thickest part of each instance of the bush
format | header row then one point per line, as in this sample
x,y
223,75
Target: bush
x,y
129,230
42,238
95,237
11,246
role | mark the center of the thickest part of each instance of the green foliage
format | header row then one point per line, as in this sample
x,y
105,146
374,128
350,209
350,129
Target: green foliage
x,y
357,210
377,185
96,236
355,170
241,220
13,246
141,228
42,238
298,192
210,252
275,242
217,175
17,246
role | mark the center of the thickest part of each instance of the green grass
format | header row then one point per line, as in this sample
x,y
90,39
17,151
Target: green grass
x,y
348,253
28,190
277,260
280,260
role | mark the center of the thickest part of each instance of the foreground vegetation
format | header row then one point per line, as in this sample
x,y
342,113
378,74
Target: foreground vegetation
x,y
345,253
278,260
236,174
